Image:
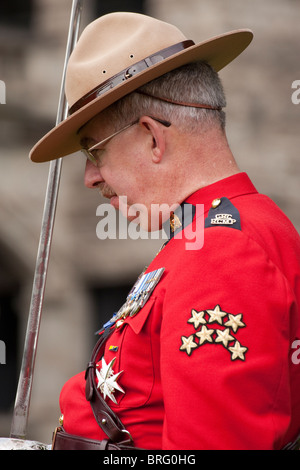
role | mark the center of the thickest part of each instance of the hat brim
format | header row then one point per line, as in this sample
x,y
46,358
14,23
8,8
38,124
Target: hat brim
x,y
63,139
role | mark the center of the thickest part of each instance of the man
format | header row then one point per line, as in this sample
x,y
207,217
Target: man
x,y
200,356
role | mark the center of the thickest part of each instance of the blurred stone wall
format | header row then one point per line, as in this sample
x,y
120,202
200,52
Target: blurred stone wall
x,y
263,130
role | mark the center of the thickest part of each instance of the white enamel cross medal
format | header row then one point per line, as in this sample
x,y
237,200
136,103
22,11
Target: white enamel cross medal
x,y
107,380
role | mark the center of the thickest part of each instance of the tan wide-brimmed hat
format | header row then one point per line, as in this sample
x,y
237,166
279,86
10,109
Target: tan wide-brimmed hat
x,y
115,55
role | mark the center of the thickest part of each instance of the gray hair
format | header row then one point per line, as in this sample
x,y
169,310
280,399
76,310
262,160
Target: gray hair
x,y
192,83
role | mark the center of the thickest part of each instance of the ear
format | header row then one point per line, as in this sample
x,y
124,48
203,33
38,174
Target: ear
x,y
157,132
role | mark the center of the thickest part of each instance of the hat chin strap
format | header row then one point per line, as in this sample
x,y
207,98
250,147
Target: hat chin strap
x,y
130,72
181,103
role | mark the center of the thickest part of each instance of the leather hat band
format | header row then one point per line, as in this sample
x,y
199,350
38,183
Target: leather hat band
x,y
128,73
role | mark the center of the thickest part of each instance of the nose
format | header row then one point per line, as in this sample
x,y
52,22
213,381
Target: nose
x,y
92,176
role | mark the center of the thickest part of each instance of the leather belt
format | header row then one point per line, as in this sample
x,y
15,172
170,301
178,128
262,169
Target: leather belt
x,y
64,441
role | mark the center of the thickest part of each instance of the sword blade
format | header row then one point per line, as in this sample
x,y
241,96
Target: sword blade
x,y
23,395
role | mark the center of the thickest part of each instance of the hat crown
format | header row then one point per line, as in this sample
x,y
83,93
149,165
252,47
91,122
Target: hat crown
x,y
112,43
117,54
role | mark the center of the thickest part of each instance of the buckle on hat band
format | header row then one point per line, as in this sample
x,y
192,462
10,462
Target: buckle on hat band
x,y
129,72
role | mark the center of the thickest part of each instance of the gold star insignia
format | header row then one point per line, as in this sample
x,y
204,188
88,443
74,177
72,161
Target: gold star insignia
x,y
188,344
235,322
216,315
224,337
197,318
205,335
214,334
237,351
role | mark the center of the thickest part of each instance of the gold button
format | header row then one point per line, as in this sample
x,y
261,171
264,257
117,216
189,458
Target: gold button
x,y
216,203
61,420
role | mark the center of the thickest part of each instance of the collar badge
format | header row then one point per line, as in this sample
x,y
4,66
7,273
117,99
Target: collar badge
x,y
174,222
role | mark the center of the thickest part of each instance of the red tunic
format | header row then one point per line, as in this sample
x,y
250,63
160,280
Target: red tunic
x,y
210,361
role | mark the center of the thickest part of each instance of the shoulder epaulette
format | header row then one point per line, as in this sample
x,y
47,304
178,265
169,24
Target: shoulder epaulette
x,y
223,213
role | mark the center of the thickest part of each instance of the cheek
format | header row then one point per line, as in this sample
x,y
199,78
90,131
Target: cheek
x,y
125,170
123,181
129,175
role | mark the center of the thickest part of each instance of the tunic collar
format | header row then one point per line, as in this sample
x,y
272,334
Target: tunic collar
x,y
230,187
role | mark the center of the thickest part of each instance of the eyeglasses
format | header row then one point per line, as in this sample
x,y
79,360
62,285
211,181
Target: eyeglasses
x,y
93,158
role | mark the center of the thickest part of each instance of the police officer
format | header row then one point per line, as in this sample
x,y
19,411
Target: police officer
x,y
200,354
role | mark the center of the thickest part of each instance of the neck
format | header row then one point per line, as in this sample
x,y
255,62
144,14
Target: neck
x,y
207,159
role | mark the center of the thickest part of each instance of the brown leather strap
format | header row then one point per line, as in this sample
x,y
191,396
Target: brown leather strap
x,y
105,417
181,103
65,441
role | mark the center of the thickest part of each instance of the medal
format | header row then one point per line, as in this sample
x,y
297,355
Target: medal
x,y
138,296
107,380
